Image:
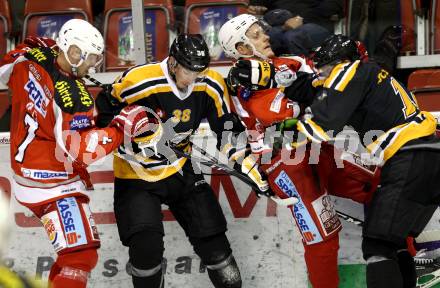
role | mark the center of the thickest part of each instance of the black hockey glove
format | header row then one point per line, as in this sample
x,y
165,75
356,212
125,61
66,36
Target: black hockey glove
x,y
252,74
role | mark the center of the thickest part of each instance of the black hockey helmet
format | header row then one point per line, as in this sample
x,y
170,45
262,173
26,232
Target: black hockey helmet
x,y
334,49
191,51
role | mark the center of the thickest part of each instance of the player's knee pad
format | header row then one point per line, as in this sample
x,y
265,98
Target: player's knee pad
x,y
211,249
216,254
70,225
146,250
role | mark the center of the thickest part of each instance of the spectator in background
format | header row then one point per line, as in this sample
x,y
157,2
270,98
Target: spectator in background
x,y
289,35
322,12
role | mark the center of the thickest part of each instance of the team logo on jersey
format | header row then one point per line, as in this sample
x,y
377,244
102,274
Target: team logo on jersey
x,y
326,214
85,97
302,216
63,89
44,174
80,122
50,229
37,54
52,225
285,77
34,71
37,95
72,222
275,106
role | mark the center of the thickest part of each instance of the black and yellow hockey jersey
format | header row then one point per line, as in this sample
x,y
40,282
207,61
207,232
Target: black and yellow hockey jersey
x,y
377,106
150,85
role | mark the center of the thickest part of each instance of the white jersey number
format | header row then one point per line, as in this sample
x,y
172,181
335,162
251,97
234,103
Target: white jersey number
x,y
32,127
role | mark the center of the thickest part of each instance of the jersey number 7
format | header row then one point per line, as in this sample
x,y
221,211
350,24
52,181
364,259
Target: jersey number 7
x,y
32,125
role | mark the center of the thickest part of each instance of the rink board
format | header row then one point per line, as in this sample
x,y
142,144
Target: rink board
x,y
264,239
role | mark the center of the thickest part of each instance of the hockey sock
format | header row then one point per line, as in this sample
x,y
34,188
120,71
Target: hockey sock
x,y
318,256
384,274
70,278
54,271
407,268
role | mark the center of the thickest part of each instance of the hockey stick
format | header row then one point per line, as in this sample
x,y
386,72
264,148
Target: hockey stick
x,y
213,163
94,81
350,219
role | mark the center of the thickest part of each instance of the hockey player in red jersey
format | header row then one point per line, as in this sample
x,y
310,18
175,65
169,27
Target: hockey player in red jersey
x,y
53,139
272,92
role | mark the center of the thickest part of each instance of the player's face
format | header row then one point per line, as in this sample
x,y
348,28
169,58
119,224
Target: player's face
x,y
92,61
258,37
325,71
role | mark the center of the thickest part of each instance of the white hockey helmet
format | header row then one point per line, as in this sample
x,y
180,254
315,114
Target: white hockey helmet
x,y
86,37
233,32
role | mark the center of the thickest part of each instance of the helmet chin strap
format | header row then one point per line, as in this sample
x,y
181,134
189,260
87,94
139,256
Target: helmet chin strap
x,y
254,51
74,67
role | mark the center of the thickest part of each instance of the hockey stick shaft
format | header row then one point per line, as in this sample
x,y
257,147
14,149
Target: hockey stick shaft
x,y
94,80
213,163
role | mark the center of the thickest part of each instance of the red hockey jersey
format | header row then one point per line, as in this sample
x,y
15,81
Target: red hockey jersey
x,y
270,106
53,137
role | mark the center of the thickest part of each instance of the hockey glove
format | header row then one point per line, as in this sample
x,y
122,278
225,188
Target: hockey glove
x,y
252,74
107,106
286,125
249,167
132,121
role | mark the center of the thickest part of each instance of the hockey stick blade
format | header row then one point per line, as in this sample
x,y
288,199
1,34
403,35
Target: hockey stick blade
x,y
350,219
213,163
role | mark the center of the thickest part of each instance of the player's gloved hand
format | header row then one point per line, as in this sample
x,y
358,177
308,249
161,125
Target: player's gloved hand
x,y
133,120
286,125
249,166
252,74
107,105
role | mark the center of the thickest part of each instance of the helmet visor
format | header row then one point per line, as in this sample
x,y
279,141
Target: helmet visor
x,y
188,74
257,29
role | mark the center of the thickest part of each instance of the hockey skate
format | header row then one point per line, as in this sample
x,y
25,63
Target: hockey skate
x,y
427,269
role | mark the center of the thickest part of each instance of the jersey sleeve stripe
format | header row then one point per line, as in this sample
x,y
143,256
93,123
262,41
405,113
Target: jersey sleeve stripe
x,y
134,90
390,142
312,130
341,76
347,76
213,84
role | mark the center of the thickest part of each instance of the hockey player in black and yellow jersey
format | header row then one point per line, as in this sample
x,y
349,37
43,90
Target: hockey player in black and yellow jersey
x,y
181,90
386,116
